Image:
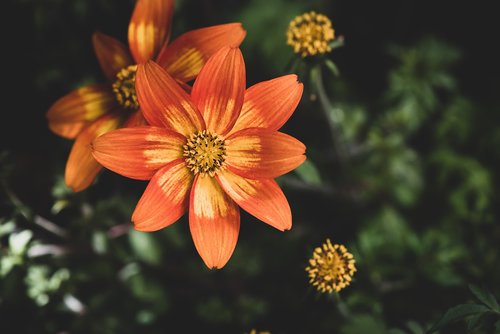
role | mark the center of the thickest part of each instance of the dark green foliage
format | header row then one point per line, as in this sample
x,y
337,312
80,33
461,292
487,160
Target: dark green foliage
x,y
402,131
475,314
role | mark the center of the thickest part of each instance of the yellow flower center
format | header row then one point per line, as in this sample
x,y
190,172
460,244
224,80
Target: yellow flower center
x,y
205,153
310,34
124,88
331,267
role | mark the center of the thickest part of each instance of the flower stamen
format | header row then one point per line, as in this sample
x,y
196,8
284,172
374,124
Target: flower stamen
x,y
310,34
205,153
331,268
124,88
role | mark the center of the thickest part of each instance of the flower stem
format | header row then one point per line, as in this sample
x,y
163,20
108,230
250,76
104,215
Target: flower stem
x,y
26,212
331,115
342,307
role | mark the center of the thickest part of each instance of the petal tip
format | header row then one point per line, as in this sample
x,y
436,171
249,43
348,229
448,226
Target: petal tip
x,y
50,112
295,82
287,226
96,34
303,158
76,187
240,32
143,226
97,37
215,266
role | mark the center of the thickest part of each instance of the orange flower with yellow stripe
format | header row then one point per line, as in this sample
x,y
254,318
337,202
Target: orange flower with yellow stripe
x,y
90,111
209,152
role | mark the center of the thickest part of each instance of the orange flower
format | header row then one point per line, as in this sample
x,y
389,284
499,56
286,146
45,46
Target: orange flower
x,y
90,111
210,152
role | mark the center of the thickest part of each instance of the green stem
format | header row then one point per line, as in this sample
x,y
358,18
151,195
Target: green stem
x,y
342,306
331,117
26,212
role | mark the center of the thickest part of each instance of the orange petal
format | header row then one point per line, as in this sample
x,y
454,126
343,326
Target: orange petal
x,y
257,153
270,104
214,221
149,28
219,89
186,55
135,120
165,199
111,54
72,112
82,168
138,152
261,198
163,102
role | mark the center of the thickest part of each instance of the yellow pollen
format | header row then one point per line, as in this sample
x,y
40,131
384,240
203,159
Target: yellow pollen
x,y
331,268
124,88
310,34
205,153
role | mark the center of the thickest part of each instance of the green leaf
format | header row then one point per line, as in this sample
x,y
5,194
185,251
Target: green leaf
x,y
145,247
474,321
59,205
19,241
6,264
397,331
364,323
99,242
497,327
415,327
309,173
456,313
7,227
332,67
148,289
485,297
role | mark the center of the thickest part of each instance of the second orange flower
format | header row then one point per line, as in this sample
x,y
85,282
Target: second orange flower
x,y
90,111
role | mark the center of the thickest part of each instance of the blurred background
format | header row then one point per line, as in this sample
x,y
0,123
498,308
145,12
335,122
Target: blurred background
x,y
402,169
